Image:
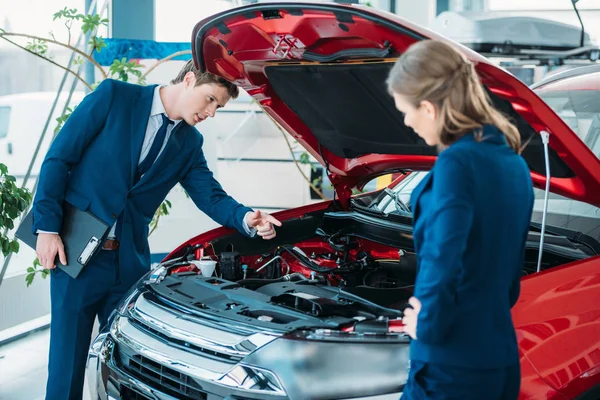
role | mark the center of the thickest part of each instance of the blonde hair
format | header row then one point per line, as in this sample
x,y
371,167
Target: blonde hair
x,y
434,71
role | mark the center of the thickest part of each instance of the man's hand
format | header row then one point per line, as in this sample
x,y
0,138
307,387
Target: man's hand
x,y
48,245
410,317
263,223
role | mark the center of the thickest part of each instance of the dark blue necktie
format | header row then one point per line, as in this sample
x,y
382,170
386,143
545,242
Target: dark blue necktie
x,y
159,139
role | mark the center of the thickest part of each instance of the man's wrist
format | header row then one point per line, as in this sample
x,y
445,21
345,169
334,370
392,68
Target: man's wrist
x,y
249,231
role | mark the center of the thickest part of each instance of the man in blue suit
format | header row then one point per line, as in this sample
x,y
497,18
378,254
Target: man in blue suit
x,y
118,156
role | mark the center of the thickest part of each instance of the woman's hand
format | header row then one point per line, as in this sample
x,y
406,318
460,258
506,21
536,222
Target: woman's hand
x,y
410,317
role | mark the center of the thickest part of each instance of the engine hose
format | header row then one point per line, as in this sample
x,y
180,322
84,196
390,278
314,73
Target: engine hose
x,y
308,263
285,278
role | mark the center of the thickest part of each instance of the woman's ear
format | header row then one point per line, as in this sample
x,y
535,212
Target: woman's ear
x,y
428,109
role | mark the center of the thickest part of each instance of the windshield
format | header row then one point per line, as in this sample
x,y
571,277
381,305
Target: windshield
x,y
580,109
562,211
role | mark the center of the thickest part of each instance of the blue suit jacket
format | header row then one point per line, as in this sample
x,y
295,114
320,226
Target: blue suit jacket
x,y
471,218
92,161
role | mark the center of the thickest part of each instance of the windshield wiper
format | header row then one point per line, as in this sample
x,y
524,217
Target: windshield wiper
x,y
369,209
572,235
400,205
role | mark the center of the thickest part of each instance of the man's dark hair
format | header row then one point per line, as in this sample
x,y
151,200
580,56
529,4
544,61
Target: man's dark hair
x,y
206,77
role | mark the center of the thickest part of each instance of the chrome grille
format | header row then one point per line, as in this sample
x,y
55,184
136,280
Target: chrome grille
x,y
176,353
168,380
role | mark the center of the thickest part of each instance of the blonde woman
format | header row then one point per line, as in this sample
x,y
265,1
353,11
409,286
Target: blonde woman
x,y
471,218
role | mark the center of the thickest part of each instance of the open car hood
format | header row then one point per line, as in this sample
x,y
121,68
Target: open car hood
x,y
320,69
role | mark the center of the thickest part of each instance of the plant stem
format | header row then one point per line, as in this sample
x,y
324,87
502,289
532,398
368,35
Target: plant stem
x,y
177,54
68,46
287,141
155,224
50,61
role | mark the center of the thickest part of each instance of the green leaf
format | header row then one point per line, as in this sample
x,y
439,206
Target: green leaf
x,y
10,224
3,169
45,273
14,246
97,43
36,263
29,278
168,203
12,212
90,22
59,14
304,158
37,46
30,269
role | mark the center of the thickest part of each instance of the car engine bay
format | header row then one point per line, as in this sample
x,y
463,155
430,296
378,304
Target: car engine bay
x,y
327,269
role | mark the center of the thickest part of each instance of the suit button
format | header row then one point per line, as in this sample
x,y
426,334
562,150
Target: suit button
x,y
114,216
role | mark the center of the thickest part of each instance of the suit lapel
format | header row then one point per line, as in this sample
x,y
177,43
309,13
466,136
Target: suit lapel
x,y
172,149
140,114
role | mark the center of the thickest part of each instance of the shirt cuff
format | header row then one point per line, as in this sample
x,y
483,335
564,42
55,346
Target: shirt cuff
x,y
41,231
249,231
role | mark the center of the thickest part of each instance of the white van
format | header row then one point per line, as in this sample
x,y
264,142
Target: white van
x,y
22,119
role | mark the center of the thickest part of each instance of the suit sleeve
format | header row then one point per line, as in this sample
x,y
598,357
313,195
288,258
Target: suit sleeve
x,y
84,124
210,198
444,244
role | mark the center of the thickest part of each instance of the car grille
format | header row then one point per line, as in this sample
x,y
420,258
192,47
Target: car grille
x,y
172,353
128,394
165,379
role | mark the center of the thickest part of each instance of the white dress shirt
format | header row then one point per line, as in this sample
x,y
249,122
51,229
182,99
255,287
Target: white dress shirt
x,y
154,123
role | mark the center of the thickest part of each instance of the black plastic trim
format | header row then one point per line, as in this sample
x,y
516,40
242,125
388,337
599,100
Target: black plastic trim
x,y
344,17
592,394
377,53
223,28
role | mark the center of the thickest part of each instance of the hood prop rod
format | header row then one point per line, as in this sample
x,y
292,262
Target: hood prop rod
x,y
545,139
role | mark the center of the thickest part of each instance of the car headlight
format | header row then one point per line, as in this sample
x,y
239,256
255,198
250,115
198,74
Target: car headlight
x,y
124,305
310,366
100,351
253,379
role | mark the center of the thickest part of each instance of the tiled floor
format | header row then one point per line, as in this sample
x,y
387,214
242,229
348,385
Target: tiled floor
x,y
23,368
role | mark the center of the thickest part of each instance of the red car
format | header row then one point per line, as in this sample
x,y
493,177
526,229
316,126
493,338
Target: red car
x,y
315,313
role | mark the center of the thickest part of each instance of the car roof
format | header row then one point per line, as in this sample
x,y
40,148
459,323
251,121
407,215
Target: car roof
x,y
581,78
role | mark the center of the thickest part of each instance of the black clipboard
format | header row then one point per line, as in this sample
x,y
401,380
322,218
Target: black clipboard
x,y
82,234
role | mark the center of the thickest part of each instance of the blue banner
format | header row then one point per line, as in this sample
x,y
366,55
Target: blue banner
x,y
116,49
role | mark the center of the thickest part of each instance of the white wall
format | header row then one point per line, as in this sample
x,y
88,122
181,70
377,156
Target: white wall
x,y
421,12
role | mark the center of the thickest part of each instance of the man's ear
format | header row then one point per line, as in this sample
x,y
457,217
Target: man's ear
x,y
429,108
189,79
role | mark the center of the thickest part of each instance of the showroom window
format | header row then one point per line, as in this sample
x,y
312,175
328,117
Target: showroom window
x,y
4,119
